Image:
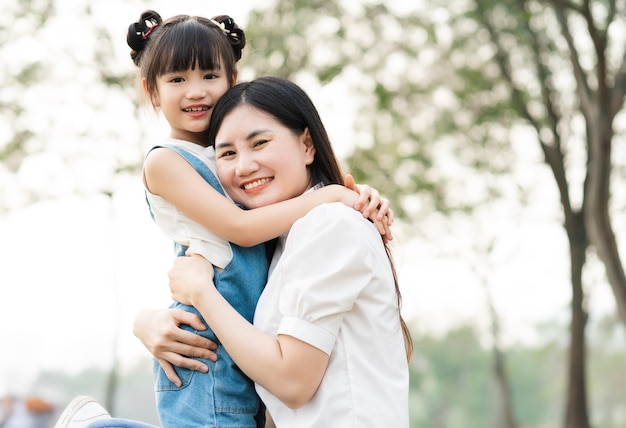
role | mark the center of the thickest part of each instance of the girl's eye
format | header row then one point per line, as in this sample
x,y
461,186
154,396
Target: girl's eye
x,y
176,79
211,76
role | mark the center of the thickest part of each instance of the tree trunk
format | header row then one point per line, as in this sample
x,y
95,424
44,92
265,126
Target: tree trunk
x,y
597,201
576,415
507,418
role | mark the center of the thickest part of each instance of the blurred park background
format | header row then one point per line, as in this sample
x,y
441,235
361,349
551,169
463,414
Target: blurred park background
x,y
495,128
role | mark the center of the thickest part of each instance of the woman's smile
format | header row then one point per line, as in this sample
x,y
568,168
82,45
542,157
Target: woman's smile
x,y
256,183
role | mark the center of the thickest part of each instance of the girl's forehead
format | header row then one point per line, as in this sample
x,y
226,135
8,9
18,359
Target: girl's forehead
x,y
216,66
191,47
179,61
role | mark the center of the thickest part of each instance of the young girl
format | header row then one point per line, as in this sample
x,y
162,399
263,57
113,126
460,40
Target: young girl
x,y
186,65
328,347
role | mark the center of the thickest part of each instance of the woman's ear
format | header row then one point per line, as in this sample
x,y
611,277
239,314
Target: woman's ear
x,y
309,147
153,97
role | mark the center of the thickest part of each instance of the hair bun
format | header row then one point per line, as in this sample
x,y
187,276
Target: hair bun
x,y
139,32
235,34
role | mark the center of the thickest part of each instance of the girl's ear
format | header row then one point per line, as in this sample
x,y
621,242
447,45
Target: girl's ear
x,y
154,98
233,80
309,147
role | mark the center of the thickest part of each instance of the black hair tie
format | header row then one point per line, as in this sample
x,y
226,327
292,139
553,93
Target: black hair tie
x,y
139,32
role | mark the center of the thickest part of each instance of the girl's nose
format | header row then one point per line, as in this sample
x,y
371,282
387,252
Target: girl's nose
x,y
196,90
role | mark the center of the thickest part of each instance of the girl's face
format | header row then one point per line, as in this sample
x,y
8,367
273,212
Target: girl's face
x,y
187,99
259,160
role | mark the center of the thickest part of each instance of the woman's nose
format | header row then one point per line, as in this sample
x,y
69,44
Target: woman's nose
x,y
246,164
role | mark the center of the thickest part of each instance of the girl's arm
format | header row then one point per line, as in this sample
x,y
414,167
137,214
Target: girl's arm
x,y
287,367
170,176
380,213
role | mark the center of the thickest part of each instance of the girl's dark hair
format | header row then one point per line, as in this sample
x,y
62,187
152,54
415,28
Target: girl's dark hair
x,y
184,42
293,108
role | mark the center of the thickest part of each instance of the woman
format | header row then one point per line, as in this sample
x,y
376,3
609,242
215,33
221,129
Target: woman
x,y
327,347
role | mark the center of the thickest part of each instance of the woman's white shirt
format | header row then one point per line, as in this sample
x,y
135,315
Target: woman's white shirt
x,y
333,288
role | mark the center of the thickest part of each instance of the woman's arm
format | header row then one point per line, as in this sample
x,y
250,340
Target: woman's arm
x,y
158,330
287,367
170,176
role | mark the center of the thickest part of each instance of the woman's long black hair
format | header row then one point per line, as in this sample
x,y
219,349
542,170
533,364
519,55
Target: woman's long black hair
x,y
293,108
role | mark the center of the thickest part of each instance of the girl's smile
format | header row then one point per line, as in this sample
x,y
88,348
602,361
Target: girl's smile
x,y
197,110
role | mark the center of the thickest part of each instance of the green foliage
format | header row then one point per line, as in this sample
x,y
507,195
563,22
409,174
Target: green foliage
x,y
408,96
451,381
13,82
607,378
58,93
537,383
14,150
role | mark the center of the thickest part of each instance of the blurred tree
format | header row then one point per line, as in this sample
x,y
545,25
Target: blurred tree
x,y
57,137
58,90
475,76
134,398
17,74
607,378
568,86
451,382
483,267
376,51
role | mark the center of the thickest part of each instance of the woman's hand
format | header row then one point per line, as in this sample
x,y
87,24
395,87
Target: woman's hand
x,y
189,278
159,331
372,206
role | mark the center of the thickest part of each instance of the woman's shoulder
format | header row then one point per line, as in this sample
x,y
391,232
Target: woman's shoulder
x,y
338,211
334,218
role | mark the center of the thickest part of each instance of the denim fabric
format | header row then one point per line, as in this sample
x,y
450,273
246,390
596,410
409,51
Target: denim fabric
x,y
118,423
223,397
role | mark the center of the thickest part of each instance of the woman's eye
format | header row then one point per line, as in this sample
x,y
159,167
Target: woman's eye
x,y
226,154
260,143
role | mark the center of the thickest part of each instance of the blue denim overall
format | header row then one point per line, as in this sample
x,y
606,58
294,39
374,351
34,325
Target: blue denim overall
x,y
225,396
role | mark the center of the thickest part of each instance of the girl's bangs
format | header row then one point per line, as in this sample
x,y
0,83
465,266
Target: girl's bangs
x,y
193,47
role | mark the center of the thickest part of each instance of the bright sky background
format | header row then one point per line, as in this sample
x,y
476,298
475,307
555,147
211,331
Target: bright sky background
x,y
76,269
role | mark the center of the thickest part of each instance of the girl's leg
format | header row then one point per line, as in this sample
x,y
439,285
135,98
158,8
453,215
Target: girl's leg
x,y
118,423
84,411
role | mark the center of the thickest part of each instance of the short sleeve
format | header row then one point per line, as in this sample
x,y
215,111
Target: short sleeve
x,y
325,266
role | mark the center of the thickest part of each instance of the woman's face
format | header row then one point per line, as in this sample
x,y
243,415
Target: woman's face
x,y
259,160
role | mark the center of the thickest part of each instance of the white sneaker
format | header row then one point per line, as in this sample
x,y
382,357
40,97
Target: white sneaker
x,y
81,411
